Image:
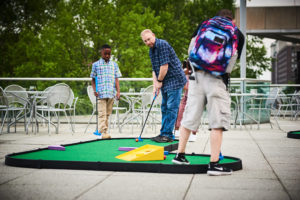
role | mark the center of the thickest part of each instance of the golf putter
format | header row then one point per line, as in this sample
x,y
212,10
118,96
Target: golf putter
x,y
97,132
139,138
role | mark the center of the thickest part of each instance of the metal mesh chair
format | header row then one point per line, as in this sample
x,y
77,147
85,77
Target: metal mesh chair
x,y
116,108
42,103
3,107
146,100
296,104
267,105
71,108
17,99
92,98
57,101
284,104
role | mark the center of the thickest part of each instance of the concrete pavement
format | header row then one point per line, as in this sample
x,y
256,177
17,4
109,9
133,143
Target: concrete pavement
x,y
271,168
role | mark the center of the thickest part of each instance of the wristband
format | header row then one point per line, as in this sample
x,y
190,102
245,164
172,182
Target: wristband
x,y
159,81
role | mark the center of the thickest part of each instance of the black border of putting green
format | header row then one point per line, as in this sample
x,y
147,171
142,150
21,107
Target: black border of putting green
x,y
291,134
114,166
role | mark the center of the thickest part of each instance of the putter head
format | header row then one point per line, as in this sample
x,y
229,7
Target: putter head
x,y
173,136
221,157
97,133
140,139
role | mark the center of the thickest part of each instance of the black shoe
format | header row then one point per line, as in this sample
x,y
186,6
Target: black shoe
x,y
180,159
215,169
156,137
162,139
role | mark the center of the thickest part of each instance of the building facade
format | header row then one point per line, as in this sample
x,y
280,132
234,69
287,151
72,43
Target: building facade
x,y
285,63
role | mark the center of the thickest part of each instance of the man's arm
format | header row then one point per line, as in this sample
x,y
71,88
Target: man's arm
x,y
157,81
162,72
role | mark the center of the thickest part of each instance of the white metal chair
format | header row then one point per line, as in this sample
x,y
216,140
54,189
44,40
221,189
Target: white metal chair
x,y
17,99
116,108
92,98
295,101
57,100
42,103
3,107
268,105
146,100
284,103
71,108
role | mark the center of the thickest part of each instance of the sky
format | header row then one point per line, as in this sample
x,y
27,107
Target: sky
x,y
267,42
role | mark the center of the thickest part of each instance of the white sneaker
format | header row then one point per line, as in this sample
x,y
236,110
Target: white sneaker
x,y
177,133
192,138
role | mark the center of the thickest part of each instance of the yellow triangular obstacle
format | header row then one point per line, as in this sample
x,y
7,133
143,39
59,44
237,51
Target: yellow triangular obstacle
x,y
144,153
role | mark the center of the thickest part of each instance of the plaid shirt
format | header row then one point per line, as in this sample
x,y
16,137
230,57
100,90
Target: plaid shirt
x,y
162,53
106,74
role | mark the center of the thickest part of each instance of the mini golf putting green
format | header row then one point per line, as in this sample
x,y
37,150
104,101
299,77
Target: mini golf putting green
x,y
100,155
294,134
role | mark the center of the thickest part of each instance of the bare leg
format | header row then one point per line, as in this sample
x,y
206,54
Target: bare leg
x,y
183,138
216,136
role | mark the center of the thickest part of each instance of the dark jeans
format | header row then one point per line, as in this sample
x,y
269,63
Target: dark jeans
x,y
169,108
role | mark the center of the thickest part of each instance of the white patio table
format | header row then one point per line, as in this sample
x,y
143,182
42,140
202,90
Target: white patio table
x,y
34,97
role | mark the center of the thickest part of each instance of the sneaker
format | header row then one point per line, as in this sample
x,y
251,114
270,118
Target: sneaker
x,y
105,136
192,138
215,169
156,137
177,133
180,159
162,139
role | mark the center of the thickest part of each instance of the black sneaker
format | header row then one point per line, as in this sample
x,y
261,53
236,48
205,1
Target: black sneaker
x,y
215,169
156,137
180,159
162,139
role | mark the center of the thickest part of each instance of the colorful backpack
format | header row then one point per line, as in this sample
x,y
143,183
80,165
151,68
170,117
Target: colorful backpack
x,y
215,44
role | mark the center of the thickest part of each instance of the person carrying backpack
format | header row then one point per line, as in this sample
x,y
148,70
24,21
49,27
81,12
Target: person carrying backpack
x,y
214,48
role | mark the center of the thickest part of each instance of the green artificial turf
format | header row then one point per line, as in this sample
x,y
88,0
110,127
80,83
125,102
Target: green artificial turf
x,y
106,151
296,132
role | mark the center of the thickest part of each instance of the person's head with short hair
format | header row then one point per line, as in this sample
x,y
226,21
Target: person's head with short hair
x,y
105,52
225,13
148,37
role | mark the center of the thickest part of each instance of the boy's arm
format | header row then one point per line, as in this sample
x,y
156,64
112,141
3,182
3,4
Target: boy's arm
x,y
94,87
118,88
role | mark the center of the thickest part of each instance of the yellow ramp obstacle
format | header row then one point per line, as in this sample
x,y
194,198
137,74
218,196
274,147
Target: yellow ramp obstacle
x,y
144,153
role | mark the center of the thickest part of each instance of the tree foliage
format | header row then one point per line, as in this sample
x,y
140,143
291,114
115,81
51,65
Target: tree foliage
x,y
59,38
257,60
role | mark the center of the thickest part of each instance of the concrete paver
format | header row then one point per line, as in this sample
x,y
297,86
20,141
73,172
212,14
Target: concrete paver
x,y
271,168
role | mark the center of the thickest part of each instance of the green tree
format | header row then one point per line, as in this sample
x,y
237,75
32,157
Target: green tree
x,y
57,50
16,17
256,57
132,53
62,38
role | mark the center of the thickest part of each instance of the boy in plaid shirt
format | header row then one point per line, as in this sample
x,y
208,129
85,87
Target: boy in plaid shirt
x,y
107,73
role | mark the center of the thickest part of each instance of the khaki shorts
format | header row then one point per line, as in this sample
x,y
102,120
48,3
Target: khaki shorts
x,y
211,92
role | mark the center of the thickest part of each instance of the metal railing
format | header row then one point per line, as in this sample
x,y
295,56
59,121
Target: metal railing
x,y
84,107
